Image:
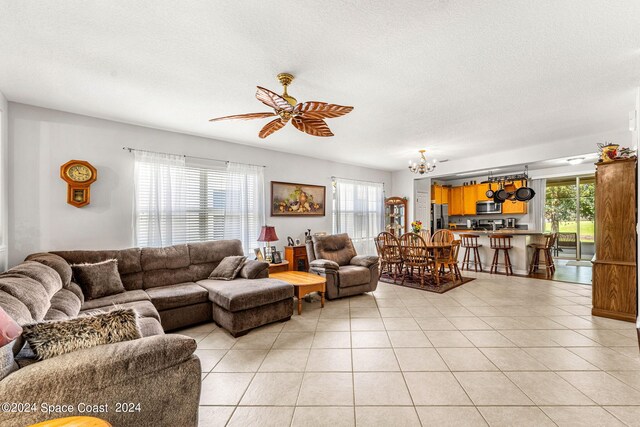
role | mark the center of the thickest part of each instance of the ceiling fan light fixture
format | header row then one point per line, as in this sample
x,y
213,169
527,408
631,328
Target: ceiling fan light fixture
x,y
307,117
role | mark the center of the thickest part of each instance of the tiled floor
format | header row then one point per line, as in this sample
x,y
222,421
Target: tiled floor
x,y
498,351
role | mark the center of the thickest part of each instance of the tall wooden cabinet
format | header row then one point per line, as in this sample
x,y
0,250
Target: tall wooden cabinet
x,y
614,268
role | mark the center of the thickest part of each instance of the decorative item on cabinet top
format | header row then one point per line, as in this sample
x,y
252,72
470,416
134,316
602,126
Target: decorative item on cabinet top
x,y
290,199
79,175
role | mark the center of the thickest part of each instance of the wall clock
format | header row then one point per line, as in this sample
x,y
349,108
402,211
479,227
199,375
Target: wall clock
x,y
79,175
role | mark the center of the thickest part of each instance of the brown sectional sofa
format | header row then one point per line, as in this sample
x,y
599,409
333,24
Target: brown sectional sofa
x,y
168,288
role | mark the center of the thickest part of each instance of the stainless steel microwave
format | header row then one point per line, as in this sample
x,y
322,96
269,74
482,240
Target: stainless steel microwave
x,y
487,208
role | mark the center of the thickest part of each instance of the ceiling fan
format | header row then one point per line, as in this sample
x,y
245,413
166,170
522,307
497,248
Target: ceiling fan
x,y
307,117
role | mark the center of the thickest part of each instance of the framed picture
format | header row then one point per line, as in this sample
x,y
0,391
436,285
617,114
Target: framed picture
x,y
259,255
273,250
290,199
277,257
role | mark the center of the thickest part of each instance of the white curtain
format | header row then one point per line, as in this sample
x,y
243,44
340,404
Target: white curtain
x,y
244,204
537,204
159,205
358,210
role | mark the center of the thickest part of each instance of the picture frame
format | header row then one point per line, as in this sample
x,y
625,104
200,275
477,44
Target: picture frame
x,y
259,255
294,199
277,257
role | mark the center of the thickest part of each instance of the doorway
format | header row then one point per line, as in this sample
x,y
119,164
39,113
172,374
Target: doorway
x,y
570,212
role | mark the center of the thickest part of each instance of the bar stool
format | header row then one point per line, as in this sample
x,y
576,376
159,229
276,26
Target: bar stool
x,y
470,245
547,261
501,242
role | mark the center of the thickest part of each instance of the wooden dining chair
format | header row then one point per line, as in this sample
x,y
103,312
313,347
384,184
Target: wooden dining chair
x,y
414,253
443,236
426,235
447,258
388,249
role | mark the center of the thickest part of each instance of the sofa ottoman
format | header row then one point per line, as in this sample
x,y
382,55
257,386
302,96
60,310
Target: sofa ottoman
x,y
244,304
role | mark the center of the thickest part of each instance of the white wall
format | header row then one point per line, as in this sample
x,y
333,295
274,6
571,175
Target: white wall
x,y
4,173
41,140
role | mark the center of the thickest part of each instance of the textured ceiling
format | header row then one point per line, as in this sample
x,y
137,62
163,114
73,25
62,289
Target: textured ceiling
x,y
454,77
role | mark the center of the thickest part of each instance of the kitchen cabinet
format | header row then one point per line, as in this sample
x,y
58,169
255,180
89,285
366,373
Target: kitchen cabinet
x,y
455,201
481,191
469,198
439,194
511,207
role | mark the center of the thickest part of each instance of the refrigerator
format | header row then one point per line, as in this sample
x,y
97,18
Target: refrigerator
x,y
439,217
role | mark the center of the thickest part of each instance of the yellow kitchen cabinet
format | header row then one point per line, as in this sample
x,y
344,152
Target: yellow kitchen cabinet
x,y
469,197
482,192
445,195
455,201
511,207
436,194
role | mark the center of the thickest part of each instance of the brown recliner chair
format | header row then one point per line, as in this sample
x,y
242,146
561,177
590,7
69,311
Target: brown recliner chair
x,y
347,273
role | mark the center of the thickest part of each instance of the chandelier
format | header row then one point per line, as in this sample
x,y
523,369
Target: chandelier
x,y
423,166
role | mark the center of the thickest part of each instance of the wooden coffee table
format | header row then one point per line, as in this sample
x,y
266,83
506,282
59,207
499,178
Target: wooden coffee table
x,y
304,283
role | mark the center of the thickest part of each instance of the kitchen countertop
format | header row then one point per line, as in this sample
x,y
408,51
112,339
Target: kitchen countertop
x,y
510,231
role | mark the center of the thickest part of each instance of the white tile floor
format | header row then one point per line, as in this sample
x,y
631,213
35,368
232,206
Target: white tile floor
x,y
496,351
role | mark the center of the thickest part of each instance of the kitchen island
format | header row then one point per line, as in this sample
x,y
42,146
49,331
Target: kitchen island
x,y
520,254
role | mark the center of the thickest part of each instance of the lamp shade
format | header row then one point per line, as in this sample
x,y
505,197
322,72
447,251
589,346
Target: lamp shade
x,y
268,234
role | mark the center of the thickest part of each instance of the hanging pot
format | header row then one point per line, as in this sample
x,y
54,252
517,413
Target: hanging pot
x,y
524,194
489,192
501,195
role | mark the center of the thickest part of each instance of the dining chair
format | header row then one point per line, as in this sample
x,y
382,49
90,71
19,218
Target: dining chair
x,y
443,236
426,235
388,249
447,257
414,253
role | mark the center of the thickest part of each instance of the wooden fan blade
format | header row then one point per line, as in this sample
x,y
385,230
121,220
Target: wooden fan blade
x,y
271,127
321,110
272,99
247,116
315,127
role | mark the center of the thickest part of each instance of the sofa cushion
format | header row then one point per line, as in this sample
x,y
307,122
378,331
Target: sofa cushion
x,y
228,268
143,308
122,298
66,302
214,251
56,262
170,257
46,276
7,361
30,293
167,297
242,294
54,338
98,280
353,275
336,247
128,259
253,268
149,326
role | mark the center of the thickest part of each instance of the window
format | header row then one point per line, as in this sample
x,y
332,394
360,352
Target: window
x,y
179,203
358,210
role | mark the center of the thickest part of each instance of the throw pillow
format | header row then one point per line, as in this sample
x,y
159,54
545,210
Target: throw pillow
x,y
98,280
9,329
228,268
54,338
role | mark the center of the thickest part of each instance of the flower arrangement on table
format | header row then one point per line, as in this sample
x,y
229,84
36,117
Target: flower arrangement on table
x,y
416,226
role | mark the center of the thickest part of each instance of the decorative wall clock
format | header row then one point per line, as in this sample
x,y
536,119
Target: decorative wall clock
x,y
79,175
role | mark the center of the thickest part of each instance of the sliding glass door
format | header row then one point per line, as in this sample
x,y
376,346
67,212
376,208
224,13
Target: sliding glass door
x,y
569,211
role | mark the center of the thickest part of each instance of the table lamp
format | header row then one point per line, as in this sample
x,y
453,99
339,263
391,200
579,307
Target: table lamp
x,y
268,234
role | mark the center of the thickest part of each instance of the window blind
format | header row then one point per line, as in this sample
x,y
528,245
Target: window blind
x,y
199,211
359,212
